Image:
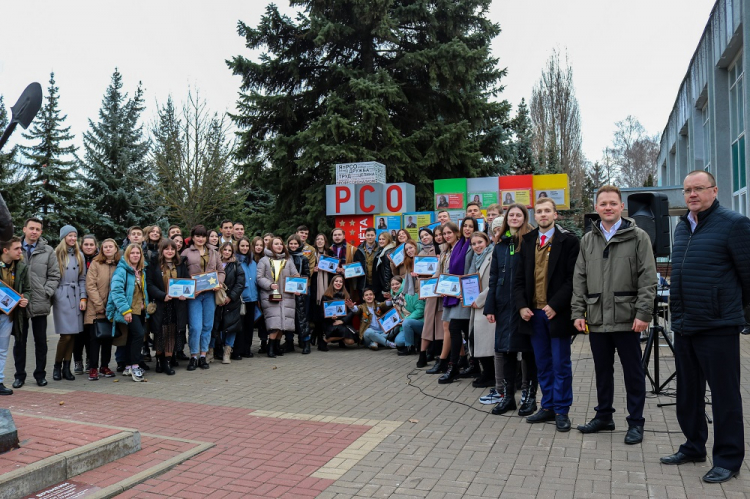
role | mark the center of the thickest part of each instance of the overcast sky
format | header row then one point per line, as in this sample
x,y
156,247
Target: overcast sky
x,y
628,57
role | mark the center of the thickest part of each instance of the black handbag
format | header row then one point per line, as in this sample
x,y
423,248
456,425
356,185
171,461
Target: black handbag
x,y
103,330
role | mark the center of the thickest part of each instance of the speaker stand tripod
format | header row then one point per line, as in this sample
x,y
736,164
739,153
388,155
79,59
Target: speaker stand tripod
x,y
652,346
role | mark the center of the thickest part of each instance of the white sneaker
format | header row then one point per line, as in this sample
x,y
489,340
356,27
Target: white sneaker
x,y
373,346
491,398
126,372
137,374
390,344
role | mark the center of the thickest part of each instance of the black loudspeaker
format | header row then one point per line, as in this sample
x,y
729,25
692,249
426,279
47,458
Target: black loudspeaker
x,y
650,210
589,219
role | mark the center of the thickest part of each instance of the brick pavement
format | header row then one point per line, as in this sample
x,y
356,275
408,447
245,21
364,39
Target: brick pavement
x,y
447,450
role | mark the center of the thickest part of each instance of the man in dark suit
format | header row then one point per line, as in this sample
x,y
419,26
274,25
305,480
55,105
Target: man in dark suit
x,y
709,291
543,290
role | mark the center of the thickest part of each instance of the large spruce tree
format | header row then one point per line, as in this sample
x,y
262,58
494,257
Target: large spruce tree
x,y
13,179
115,167
408,83
51,163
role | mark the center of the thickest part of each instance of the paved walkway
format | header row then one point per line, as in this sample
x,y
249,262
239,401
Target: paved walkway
x,y
357,423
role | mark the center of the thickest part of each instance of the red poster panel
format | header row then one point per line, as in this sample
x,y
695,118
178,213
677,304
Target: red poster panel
x,y
520,185
354,227
449,201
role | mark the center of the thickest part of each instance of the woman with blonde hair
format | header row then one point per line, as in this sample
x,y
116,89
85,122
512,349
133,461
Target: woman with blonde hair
x,y
69,301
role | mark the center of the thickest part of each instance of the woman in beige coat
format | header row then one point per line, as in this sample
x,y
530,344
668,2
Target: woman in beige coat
x,y
279,315
98,279
483,346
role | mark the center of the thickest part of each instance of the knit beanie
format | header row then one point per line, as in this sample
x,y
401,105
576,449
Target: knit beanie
x,y
67,230
497,223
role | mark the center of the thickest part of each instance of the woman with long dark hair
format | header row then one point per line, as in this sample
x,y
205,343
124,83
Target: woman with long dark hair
x,y
89,249
337,327
244,340
258,248
319,285
279,307
296,251
228,321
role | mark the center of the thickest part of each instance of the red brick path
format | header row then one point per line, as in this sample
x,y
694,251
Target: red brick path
x,y
252,456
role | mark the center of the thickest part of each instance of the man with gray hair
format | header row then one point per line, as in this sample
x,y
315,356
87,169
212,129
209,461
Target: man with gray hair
x,y
709,290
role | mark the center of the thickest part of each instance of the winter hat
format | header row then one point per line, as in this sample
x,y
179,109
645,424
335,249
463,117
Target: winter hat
x,y
497,223
67,230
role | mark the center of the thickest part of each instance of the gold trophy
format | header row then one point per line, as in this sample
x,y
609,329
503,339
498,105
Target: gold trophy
x,y
276,267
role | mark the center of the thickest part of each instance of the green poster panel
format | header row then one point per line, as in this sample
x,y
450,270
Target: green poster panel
x,y
450,193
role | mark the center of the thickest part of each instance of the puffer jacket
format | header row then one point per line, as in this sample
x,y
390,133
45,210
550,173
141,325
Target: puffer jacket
x,y
279,315
614,281
22,286
98,279
44,274
229,318
710,283
250,293
157,293
121,292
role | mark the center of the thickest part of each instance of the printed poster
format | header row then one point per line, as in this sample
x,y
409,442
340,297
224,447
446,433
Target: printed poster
x,y
556,195
483,198
388,223
522,196
413,221
449,201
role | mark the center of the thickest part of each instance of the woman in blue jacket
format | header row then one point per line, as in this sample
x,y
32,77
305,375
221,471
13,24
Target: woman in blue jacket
x,y
128,297
244,339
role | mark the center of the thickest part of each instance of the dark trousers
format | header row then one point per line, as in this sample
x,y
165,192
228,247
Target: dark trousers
x,y
553,365
105,346
244,339
83,340
712,358
628,346
39,330
510,369
134,344
459,329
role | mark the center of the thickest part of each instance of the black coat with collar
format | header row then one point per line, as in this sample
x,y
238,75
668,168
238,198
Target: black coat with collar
x,y
564,249
157,293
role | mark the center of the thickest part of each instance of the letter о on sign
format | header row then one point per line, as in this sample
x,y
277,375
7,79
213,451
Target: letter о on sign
x,y
399,198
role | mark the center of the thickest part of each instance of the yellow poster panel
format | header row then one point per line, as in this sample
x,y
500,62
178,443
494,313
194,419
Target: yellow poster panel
x,y
413,221
555,187
522,196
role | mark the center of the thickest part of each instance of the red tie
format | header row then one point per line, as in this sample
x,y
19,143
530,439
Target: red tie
x,y
542,240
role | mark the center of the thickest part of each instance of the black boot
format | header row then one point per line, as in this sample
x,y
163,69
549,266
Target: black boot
x,y
288,346
263,347
440,367
528,406
166,365
277,346
306,347
270,350
422,361
181,356
66,371
322,345
159,363
472,371
450,374
192,364
463,361
146,353
57,371
508,402
173,361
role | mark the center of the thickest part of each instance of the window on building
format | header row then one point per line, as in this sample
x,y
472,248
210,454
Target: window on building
x,y
737,134
706,139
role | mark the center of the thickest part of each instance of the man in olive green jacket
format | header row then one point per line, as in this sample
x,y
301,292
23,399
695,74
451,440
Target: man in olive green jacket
x,y
614,286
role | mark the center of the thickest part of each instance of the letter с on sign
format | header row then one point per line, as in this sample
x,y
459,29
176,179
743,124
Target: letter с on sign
x,y
363,199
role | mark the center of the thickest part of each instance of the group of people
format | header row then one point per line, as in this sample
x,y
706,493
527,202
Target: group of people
x,y
539,287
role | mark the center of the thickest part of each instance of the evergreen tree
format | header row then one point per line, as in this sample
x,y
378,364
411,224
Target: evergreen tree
x,y
115,165
403,82
524,160
596,177
52,167
13,180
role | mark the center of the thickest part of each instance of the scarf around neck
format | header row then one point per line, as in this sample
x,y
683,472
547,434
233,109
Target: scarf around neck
x,y
457,266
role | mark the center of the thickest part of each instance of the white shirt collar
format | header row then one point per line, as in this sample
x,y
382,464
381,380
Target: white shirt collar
x,y
692,220
609,233
549,233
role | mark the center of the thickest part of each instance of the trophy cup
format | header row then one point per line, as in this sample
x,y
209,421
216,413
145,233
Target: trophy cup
x,y
276,267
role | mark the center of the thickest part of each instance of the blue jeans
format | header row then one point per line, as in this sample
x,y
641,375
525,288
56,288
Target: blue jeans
x,y
6,328
372,336
553,365
229,339
410,330
201,321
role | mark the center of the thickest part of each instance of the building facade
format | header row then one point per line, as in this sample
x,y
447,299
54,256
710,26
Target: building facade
x,y
707,125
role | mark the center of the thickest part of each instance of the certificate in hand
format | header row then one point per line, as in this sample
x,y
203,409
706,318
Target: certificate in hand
x,y
425,265
334,309
427,288
296,285
432,226
390,320
397,256
328,264
8,298
353,270
206,282
448,285
471,287
182,287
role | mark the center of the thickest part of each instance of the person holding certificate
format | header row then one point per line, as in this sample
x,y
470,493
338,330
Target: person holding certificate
x,y
482,351
336,326
170,316
279,307
296,251
98,279
457,316
347,253
201,259
227,320
406,269
318,286
370,329
411,310
14,273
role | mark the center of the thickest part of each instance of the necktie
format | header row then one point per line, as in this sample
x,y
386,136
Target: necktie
x,y
29,249
542,240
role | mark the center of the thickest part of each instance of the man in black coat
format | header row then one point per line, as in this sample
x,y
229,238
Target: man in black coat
x,y
543,290
709,290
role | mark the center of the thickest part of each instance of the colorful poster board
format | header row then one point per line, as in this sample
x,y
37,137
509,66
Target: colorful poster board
x,y
413,221
354,227
483,198
387,223
522,196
